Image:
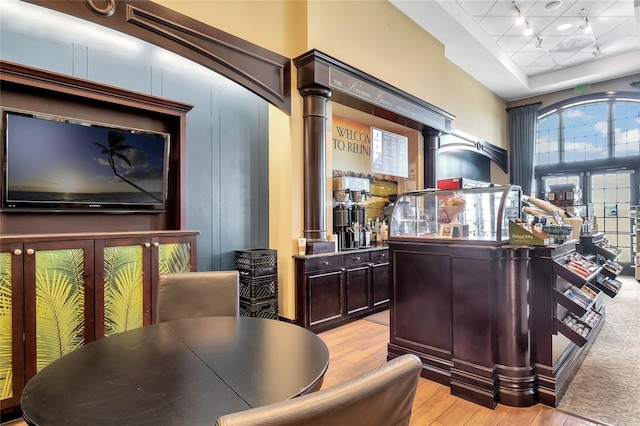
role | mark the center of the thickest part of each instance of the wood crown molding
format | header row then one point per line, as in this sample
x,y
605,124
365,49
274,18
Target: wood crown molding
x,y
357,89
11,72
494,153
265,73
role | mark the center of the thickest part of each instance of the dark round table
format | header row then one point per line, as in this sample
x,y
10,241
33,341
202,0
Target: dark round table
x,y
186,372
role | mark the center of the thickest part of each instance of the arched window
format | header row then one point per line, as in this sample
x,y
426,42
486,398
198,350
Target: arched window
x,y
626,128
593,142
597,128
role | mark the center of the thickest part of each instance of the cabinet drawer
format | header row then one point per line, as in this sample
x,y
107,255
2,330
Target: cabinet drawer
x,y
323,262
379,256
356,258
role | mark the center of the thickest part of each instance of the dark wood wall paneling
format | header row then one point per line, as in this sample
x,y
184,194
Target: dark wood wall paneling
x,y
465,164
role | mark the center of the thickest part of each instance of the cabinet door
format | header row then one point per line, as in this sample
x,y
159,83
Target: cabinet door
x,y
380,283
59,300
325,296
380,287
123,285
357,287
174,254
170,254
11,325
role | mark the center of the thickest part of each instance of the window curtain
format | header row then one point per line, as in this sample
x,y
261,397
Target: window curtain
x,y
523,123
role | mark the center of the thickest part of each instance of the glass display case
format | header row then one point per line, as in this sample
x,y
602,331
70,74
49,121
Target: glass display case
x,y
477,214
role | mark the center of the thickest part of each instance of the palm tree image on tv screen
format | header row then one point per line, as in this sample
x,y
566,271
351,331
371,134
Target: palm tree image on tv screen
x,y
64,163
117,150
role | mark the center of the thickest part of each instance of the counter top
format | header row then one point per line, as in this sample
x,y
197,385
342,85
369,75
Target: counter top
x,y
336,253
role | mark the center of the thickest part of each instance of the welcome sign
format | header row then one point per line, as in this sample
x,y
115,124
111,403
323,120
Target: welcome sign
x,y
351,143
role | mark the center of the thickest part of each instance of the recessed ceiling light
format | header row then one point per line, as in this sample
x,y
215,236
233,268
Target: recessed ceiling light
x,y
563,27
553,5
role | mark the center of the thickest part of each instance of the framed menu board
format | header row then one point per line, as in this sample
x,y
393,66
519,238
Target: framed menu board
x,y
389,153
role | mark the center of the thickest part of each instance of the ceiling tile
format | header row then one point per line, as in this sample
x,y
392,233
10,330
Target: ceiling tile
x,y
487,28
627,28
512,44
619,8
592,8
605,24
495,26
476,8
527,58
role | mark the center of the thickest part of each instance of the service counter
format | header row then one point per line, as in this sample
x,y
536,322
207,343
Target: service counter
x,y
463,309
497,323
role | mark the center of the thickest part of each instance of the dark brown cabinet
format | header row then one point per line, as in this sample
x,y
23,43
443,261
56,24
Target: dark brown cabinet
x,y
357,272
334,288
325,290
58,292
46,307
380,278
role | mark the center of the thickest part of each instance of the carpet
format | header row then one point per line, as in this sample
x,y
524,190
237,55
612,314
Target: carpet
x,y
381,317
606,387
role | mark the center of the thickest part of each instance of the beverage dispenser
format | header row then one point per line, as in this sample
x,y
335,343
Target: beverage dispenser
x,y
358,219
341,217
349,211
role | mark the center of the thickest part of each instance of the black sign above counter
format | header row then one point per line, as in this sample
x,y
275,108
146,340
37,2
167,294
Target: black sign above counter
x,y
358,88
389,153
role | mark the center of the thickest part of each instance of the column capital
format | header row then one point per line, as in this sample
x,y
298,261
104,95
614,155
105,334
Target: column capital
x,y
315,90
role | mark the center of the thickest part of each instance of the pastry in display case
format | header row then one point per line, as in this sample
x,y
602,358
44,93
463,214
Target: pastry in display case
x,y
478,214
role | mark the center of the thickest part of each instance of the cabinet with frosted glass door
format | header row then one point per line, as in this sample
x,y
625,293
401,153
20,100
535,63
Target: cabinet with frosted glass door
x,y
59,300
11,324
127,271
47,307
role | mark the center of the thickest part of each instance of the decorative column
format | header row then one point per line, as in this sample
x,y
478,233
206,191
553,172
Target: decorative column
x,y
314,120
430,136
517,382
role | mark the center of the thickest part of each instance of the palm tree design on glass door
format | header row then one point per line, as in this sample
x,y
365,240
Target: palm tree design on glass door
x,y
117,149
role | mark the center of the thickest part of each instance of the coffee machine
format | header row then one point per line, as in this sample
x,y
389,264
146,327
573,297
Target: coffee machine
x,y
358,219
341,217
349,212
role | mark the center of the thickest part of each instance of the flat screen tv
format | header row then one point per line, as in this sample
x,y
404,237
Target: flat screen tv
x,y
58,164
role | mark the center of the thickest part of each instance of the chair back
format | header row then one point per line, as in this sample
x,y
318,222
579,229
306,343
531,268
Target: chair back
x,y
380,397
198,294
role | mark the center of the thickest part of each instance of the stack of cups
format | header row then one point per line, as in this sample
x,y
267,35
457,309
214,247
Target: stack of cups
x,y
576,222
302,246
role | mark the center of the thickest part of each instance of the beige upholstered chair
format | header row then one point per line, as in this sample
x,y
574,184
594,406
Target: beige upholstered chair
x,y
198,294
381,397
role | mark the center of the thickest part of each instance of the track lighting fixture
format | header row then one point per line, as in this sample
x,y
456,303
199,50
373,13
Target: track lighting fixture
x,y
587,28
520,18
528,30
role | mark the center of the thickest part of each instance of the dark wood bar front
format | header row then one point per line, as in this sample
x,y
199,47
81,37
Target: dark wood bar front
x,y
497,323
463,309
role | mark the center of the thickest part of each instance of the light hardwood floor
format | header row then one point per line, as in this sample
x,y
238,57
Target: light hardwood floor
x,y
362,345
